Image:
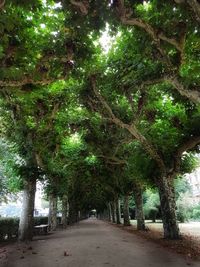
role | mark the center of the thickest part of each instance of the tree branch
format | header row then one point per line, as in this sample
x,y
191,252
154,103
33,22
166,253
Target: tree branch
x,y
189,144
82,6
149,148
154,33
28,80
194,5
192,95
2,3
113,160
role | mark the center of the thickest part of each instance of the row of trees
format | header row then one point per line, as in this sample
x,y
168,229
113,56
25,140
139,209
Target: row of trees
x,y
97,126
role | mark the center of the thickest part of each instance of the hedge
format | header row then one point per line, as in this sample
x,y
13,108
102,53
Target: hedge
x,y
9,226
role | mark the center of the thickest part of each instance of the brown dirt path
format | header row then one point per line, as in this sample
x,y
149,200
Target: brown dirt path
x,y
91,243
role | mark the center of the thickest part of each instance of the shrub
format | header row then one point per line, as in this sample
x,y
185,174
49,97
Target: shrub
x,y
40,220
8,228
184,207
196,213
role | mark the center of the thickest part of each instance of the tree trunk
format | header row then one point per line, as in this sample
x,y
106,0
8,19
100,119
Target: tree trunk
x,y
168,207
64,211
52,211
126,211
137,192
109,213
113,212
73,212
118,211
27,215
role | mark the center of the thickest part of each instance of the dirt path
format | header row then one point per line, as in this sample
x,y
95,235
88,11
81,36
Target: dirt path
x,y
91,243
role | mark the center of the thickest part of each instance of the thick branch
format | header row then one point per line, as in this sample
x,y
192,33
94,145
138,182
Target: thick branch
x,y
154,33
113,160
82,6
189,144
192,95
55,110
131,128
194,5
27,80
2,3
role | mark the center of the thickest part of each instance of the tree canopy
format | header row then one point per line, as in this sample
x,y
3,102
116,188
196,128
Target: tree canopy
x,y
95,125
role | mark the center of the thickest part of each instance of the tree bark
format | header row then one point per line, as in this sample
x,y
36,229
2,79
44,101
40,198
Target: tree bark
x,y
118,211
64,211
168,207
27,215
52,211
73,212
137,192
126,211
113,212
109,212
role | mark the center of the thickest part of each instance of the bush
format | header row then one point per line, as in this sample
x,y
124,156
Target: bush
x,y
196,213
40,220
151,205
8,228
184,206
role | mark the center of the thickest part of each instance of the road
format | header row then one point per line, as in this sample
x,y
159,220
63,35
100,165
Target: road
x,y
91,243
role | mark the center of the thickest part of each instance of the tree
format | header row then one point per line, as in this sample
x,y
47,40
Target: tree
x,y
133,99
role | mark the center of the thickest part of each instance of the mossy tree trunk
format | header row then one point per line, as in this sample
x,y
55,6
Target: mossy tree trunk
x,y
168,207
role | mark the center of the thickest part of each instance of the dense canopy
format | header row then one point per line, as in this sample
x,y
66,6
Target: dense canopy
x,y
99,100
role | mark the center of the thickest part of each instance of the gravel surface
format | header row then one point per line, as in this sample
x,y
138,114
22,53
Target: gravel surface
x,y
90,243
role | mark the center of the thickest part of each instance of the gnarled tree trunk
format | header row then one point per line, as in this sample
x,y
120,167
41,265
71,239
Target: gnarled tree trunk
x,y
126,211
27,215
168,207
137,193
52,211
64,211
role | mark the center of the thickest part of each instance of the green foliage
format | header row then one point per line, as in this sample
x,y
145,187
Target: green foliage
x,y
8,228
40,220
151,204
54,126
10,180
196,213
189,163
183,196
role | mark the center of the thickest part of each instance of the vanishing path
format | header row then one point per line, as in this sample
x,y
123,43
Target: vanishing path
x,y
91,243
